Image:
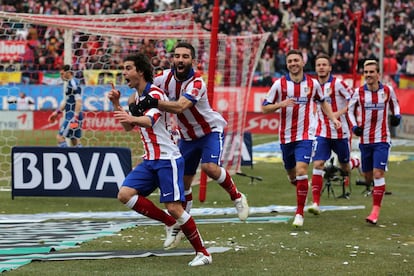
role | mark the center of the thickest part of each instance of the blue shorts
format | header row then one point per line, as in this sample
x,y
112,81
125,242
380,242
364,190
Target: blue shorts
x,y
167,175
67,132
208,149
374,156
300,151
323,146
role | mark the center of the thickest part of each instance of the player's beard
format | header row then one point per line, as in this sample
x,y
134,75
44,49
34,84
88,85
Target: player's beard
x,y
183,74
323,76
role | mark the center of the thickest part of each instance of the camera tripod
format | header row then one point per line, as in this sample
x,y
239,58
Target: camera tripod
x,y
328,186
367,191
252,177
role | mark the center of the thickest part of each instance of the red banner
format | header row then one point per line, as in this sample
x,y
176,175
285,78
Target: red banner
x,y
102,121
256,121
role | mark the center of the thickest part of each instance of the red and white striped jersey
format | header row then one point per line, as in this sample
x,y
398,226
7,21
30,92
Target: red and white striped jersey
x,y
198,120
157,140
373,109
296,122
337,94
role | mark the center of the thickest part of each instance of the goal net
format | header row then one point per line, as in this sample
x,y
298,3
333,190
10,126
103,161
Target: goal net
x,y
33,47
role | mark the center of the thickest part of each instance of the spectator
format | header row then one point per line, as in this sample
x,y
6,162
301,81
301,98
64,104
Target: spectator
x,y
266,69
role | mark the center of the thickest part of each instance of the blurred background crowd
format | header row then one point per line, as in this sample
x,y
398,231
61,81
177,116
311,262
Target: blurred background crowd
x,y
323,26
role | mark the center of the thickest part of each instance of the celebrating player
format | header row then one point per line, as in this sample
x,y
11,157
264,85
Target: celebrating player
x,y
373,101
328,138
71,128
294,95
162,166
201,127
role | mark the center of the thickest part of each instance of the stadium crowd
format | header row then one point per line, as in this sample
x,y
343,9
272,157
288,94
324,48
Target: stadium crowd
x,y
322,26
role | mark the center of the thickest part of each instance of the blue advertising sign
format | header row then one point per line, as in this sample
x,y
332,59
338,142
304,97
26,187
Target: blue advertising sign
x,y
69,172
48,97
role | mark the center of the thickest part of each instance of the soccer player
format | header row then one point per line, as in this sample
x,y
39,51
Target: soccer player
x,y
293,95
70,131
162,166
22,102
372,102
328,138
201,127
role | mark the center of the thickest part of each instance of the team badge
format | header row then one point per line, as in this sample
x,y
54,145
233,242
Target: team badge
x,y
384,96
328,91
306,90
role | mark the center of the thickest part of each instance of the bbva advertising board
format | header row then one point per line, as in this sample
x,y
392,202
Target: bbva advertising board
x,y
71,172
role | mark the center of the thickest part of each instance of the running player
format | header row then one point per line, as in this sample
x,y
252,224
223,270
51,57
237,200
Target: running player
x,y
294,95
162,166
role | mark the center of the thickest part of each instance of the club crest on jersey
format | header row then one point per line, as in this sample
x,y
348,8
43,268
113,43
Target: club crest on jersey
x,y
328,91
306,90
384,96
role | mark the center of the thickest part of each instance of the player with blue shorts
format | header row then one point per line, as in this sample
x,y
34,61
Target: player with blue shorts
x,y
294,96
162,166
374,102
201,128
328,138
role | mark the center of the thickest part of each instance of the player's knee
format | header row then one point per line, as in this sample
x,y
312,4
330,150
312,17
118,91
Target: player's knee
x,y
211,169
318,164
124,196
175,209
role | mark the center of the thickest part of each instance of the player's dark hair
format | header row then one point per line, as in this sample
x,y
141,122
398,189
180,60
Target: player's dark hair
x,y
294,52
325,56
66,68
187,46
142,64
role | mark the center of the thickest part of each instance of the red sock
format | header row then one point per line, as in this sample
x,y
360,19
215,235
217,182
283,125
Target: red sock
x,y
346,181
317,182
301,193
145,207
190,230
230,187
377,195
354,163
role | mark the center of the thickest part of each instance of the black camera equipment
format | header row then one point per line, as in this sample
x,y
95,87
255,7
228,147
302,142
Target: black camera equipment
x,y
367,191
252,177
334,174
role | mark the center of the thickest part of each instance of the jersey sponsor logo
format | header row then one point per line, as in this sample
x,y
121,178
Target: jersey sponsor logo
x,y
374,106
300,100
